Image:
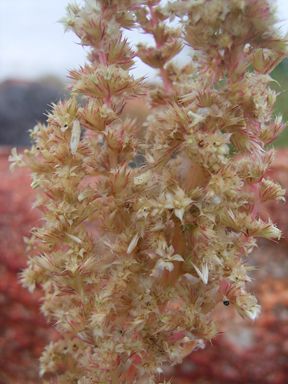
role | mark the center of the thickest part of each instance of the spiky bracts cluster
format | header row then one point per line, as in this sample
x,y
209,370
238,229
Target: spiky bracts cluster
x,y
132,261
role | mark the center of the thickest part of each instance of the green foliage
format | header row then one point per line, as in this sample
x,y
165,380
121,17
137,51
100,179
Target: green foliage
x,y
280,74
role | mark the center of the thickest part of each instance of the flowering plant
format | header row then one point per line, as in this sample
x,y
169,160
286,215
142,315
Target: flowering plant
x,y
132,260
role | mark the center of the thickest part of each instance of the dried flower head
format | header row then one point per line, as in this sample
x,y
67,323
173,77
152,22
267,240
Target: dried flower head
x,y
133,260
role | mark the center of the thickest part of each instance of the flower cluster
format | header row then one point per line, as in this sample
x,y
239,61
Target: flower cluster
x,y
132,260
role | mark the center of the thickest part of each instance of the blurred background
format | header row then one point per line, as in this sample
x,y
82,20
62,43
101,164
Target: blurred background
x,y
34,62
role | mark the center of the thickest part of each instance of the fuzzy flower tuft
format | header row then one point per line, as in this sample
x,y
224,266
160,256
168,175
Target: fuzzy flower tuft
x,y
16,160
178,202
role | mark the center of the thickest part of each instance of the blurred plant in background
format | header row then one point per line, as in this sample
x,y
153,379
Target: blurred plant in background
x,y
280,74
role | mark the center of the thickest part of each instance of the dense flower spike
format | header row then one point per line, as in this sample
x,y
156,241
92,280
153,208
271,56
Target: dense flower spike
x,y
133,260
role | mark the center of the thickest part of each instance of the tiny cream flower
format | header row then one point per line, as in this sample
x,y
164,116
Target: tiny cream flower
x,y
179,202
167,258
195,118
15,160
246,305
253,312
